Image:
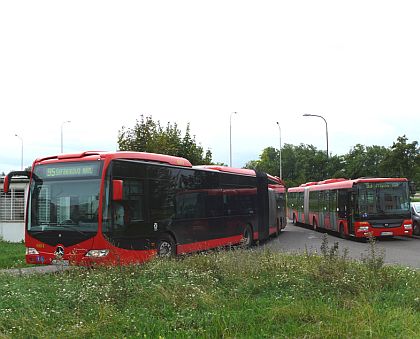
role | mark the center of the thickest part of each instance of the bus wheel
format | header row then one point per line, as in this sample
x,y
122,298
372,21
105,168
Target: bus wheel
x,y
166,247
278,228
416,228
341,231
247,239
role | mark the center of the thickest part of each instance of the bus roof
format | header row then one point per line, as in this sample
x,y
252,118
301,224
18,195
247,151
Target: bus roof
x,y
101,155
226,169
242,171
340,183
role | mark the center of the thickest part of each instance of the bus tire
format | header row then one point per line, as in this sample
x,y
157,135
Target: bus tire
x,y
416,228
278,229
166,247
342,232
247,237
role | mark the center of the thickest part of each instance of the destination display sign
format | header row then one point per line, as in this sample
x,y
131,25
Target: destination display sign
x,y
383,185
73,170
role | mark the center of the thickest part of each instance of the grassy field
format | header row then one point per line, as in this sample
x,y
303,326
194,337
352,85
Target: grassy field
x,y
229,294
12,255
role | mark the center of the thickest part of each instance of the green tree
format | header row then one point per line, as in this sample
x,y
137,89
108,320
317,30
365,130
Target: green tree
x,y
364,161
148,135
403,160
300,164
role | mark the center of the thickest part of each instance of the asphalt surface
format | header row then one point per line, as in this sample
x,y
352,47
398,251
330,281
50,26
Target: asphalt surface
x,y
404,251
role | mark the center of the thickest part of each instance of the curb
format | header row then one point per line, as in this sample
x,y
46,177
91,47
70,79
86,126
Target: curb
x,y
35,270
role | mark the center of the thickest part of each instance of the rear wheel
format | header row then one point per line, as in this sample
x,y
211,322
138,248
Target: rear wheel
x,y
247,238
166,247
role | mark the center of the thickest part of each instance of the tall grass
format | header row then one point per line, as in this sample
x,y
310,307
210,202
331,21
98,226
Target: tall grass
x,y
232,294
12,255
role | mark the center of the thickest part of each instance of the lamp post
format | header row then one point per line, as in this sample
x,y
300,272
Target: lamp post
x,y
280,149
64,122
230,138
21,152
326,126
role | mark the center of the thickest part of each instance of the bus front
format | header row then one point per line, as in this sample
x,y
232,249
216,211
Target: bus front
x,y
63,212
382,208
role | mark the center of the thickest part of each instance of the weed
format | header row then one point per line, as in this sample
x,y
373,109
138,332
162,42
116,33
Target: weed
x,y
375,258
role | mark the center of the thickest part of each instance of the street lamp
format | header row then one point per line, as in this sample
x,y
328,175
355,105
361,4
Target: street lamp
x,y
280,148
21,152
326,126
68,121
230,137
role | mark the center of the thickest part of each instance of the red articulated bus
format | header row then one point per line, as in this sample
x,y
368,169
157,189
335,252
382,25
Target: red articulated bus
x,y
127,207
353,208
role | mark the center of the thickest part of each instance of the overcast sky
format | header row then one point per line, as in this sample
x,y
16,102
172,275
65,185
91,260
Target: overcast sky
x,y
101,64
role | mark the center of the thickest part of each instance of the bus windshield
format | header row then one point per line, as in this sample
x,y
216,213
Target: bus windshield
x,y
383,199
64,197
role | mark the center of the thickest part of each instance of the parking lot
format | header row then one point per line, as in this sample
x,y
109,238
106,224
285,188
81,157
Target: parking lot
x,y
403,251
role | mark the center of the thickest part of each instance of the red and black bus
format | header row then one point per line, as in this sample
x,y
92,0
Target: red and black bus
x,y
124,207
353,208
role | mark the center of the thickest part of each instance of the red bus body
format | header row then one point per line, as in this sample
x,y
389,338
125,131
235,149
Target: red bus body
x,y
356,208
116,207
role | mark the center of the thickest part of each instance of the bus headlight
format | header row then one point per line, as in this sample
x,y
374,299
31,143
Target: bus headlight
x,y
363,229
408,226
97,253
31,251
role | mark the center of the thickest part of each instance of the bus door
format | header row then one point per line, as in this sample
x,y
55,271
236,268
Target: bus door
x,y
321,212
326,210
333,210
262,205
352,208
300,207
274,217
342,203
306,206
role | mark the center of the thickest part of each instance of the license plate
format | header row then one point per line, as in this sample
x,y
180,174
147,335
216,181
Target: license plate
x,y
387,233
60,262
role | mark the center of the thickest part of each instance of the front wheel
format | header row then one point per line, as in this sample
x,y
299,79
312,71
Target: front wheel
x,y
166,247
341,232
416,228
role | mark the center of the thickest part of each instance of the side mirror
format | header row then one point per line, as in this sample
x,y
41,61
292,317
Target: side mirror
x,y
8,178
6,185
117,190
412,186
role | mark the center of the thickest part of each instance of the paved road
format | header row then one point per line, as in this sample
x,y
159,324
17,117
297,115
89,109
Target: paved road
x,y
297,239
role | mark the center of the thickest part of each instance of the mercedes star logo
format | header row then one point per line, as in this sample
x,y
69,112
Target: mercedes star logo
x,y
59,252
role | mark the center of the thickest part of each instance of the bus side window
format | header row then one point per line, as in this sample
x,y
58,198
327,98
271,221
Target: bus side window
x,y
130,208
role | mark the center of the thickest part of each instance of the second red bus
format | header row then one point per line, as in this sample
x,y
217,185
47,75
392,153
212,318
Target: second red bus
x,y
353,208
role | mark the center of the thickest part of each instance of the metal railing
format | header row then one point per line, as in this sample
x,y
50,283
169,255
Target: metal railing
x,y
12,205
